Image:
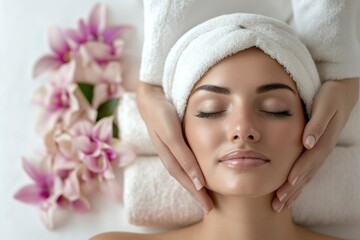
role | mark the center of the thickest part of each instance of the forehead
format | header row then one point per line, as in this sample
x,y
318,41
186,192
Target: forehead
x,y
252,67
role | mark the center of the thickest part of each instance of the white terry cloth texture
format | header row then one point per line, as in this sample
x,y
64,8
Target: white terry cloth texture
x,y
331,31
132,127
153,198
165,21
208,43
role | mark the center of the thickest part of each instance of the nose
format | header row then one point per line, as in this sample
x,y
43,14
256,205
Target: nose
x,y
248,135
243,128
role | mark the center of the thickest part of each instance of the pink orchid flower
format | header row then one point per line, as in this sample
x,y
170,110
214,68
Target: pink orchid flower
x,y
61,53
101,41
106,80
96,148
110,84
40,190
61,101
71,195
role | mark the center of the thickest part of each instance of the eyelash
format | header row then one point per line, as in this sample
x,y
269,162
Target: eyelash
x,y
209,114
281,114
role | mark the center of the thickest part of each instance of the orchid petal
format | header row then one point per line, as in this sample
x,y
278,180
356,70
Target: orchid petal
x,y
112,72
32,194
82,128
91,72
74,36
72,187
84,144
98,51
66,73
103,129
126,157
45,64
97,165
112,33
100,94
64,143
46,122
125,153
63,166
83,29
47,212
58,42
84,56
97,20
118,47
81,205
32,171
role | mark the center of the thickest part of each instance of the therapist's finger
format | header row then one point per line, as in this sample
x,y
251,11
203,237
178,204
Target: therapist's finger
x,y
176,170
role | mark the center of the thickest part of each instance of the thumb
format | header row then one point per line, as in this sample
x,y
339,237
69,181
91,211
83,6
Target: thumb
x,y
320,118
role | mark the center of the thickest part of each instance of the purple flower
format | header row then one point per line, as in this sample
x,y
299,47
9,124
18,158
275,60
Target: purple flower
x,y
95,29
40,190
95,147
61,53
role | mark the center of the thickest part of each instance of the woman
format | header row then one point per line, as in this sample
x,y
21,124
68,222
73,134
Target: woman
x,y
329,30
242,116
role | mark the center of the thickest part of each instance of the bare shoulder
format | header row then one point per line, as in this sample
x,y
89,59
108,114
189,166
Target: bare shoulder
x,y
122,236
173,235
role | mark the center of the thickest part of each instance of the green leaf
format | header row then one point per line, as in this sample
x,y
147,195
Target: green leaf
x,y
107,108
87,90
115,130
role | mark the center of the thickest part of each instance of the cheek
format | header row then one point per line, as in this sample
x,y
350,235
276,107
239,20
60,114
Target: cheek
x,y
286,141
201,140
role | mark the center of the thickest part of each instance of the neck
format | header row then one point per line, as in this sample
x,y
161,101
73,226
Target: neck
x,y
246,218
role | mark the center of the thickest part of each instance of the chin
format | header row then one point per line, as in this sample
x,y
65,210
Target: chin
x,y
245,183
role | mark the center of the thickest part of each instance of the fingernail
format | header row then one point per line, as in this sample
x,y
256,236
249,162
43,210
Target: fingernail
x,y
295,181
310,141
282,197
197,184
280,208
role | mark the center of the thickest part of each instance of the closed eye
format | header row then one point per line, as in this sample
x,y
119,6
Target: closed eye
x,y
280,114
209,114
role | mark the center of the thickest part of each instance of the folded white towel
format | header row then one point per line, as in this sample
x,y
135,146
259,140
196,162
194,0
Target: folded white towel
x,y
131,126
153,198
333,195
331,31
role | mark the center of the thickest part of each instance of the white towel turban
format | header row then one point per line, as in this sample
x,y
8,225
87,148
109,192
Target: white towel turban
x,y
208,43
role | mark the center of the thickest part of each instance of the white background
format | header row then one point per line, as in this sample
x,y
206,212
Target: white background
x,y
23,39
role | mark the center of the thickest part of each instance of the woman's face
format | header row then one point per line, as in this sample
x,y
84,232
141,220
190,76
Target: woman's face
x,y
244,122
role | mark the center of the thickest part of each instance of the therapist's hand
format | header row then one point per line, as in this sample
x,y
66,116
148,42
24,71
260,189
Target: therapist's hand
x,y
165,132
330,112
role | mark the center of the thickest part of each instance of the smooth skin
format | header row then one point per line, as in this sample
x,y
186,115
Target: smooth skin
x,y
331,109
248,116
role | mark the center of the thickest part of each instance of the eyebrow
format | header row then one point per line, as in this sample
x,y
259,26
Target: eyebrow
x,y
260,89
214,89
273,86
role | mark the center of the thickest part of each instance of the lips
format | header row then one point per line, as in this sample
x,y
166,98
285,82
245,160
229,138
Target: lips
x,y
243,159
